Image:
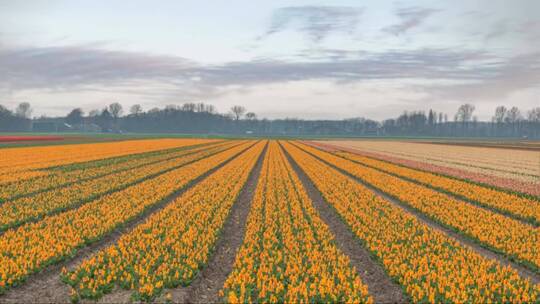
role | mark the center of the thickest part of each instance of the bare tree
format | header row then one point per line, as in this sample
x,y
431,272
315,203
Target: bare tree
x,y
534,121
172,107
200,107
188,107
534,115
500,114
136,109
432,118
465,113
115,109
238,112
251,116
514,115
24,110
210,109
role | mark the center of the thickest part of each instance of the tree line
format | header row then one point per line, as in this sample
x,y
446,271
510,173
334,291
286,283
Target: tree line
x,y
201,118
18,120
504,123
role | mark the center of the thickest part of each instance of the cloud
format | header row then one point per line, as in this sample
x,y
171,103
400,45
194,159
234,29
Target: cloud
x,y
66,67
458,74
316,22
518,73
419,64
411,17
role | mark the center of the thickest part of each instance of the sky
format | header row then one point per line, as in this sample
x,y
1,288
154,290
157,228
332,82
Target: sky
x,y
302,59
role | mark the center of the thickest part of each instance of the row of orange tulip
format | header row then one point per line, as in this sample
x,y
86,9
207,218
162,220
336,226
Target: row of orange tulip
x,y
89,170
172,245
430,266
288,254
77,153
116,161
32,246
20,176
20,163
16,212
521,207
510,236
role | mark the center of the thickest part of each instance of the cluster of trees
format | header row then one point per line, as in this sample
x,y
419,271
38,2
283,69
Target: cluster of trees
x,y
510,122
186,118
504,123
200,118
18,120
107,119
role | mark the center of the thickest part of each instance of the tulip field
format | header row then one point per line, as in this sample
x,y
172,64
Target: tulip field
x,y
198,220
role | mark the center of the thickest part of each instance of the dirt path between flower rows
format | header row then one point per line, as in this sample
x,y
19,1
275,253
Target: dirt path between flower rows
x,y
207,284
46,287
380,285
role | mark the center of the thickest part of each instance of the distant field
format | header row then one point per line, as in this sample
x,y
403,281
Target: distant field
x,y
500,164
508,144
472,142
205,220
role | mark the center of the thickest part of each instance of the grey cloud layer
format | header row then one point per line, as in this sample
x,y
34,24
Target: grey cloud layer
x,y
315,21
70,68
520,72
65,67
